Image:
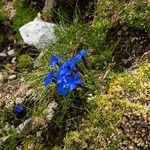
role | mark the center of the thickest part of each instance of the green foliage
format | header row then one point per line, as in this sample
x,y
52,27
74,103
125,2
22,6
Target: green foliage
x,y
3,18
3,22
1,38
63,15
1,3
137,15
131,14
24,14
24,62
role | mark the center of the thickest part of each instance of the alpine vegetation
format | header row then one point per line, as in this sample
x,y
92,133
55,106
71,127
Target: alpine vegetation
x,y
67,76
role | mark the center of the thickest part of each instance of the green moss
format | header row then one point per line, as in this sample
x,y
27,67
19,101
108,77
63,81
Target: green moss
x,y
2,3
24,61
1,38
107,113
24,14
110,13
3,22
3,17
136,15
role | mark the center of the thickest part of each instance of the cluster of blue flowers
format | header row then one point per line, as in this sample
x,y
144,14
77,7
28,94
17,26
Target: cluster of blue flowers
x,y
67,77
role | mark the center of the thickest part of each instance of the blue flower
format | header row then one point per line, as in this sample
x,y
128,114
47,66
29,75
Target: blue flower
x,y
71,83
67,67
81,55
49,78
62,89
55,60
60,78
19,108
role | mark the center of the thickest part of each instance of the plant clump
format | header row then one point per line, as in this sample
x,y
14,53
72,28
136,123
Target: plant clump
x,y
67,77
24,62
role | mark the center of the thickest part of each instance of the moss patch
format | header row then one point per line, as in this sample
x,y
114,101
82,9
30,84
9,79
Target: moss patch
x,y
118,118
24,61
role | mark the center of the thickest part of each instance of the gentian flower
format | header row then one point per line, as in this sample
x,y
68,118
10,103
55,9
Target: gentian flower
x,y
71,83
67,67
60,78
62,89
81,55
49,78
55,60
19,108
67,78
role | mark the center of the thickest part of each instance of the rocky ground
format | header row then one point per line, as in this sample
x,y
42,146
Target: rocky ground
x,y
111,111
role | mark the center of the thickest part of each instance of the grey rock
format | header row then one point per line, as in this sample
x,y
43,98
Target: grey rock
x,y
49,111
11,52
38,33
12,77
29,92
7,126
39,134
3,55
22,128
13,61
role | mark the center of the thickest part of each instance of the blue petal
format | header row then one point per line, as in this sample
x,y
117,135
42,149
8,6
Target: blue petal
x,y
61,57
77,57
19,108
79,82
52,63
76,76
64,92
61,89
72,87
87,51
81,54
54,60
49,78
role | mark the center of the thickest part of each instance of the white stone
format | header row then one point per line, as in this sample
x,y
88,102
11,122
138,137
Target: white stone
x,y
38,33
13,60
3,55
11,52
12,77
49,111
24,126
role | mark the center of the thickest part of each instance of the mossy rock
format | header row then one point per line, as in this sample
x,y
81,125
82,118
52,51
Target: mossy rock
x,y
24,62
118,119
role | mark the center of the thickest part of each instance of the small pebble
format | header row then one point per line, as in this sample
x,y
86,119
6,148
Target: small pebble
x,y
12,77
